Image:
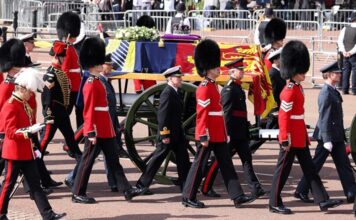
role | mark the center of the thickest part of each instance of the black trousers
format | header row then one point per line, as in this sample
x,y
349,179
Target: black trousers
x,y
349,65
78,109
61,122
2,161
182,160
29,169
241,147
283,168
199,165
342,164
108,146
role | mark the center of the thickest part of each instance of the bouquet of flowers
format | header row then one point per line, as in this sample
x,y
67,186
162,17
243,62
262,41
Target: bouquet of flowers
x,y
137,34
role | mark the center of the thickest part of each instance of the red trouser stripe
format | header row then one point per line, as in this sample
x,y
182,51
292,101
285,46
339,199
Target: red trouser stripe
x,y
45,137
209,175
5,187
78,134
200,155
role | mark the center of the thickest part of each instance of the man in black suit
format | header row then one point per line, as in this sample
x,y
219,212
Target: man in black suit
x,y
330,134
171,134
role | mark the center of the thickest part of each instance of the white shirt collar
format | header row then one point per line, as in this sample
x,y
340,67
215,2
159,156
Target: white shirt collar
x,y
173,87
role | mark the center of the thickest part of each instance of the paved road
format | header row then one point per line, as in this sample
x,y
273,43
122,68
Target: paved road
x,y
166,201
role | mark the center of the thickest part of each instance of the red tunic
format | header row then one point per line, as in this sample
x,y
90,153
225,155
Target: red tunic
x,y
97,121
71,67
6,89
16,146
291,116
210,117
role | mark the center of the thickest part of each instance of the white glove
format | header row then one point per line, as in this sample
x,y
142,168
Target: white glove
x,y
32,129
228,139
328,146
36,128
38,154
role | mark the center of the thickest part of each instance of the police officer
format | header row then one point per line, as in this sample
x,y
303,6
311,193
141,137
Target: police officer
x,y
330,134
210,130
293,135
18,149
233,100
98,127
347,46
171,135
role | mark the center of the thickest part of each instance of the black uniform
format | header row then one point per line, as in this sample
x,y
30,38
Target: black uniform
x,y
233,99
55,102
170,126
330,128
278,84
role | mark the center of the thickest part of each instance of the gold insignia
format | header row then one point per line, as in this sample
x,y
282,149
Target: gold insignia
x,y
90,79
165,131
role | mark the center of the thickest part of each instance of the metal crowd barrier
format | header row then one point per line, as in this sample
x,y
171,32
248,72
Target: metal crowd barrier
x,y
160,17
292,14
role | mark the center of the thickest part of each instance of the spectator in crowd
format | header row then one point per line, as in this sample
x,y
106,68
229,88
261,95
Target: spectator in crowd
x,y
169,5
347,46
179,18
210,5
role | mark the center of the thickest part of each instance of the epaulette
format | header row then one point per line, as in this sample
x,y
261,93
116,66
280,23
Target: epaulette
x,y
90,79
290,85
204,82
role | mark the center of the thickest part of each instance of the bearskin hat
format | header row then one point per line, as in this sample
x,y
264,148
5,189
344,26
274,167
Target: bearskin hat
x,y
146,21
276,30
92,53
12,54
294,59
68,24
206,56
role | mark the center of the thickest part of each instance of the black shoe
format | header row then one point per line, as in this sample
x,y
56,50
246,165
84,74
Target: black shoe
x,y
133,192
330,203
123,154
212,193
259,192
345,92
114,189
193,203
303,197
47,191
243,199
3,217
68,183
83,199
57,215
148,193
350,197
53,184
46,153
280,210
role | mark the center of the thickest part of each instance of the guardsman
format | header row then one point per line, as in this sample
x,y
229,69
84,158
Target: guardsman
x,y
55,101
99,131
210,130
347,46
293,135
29,42
171,135
68,29
330,134
275,32
233,100
111,97
19,151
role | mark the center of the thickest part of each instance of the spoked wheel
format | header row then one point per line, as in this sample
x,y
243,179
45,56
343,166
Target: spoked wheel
x,y
141,125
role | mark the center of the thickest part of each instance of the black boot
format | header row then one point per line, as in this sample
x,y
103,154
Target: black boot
x,y
303,197
330,203
243,199
280,210
193,203
83,199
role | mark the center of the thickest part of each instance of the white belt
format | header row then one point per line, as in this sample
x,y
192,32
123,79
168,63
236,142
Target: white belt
x,y
297,117
74,70
220,113
102,109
